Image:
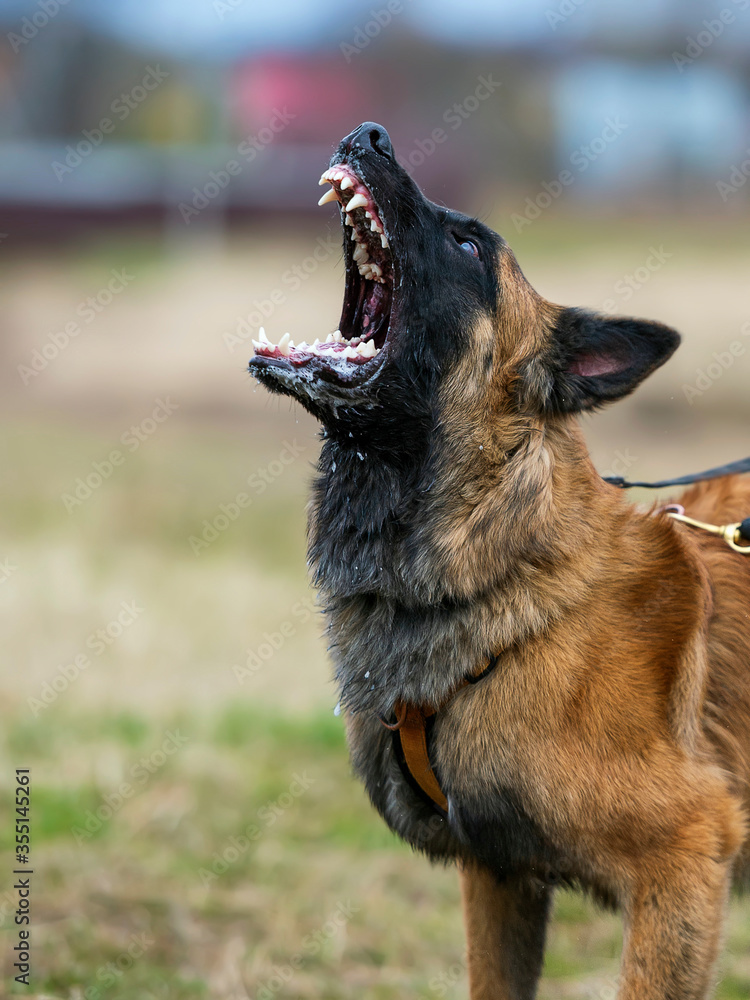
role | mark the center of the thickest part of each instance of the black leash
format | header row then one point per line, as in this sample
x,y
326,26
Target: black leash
x,y
732,469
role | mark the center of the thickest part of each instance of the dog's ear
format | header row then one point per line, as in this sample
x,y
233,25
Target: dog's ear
x,y
594,359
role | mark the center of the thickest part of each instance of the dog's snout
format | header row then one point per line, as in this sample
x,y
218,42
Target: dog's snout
x,y
370,136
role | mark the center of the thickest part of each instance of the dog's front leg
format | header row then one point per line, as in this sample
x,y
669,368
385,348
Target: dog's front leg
x,y
673,929
505,930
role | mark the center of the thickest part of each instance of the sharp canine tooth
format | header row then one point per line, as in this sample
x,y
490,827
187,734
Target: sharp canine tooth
x,y
347,183
358,201
330,195
283,345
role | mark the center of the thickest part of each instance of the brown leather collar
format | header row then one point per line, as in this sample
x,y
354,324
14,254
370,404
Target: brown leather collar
x,y
410,736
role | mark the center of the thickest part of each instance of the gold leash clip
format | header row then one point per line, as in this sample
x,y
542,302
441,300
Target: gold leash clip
x,y
729,532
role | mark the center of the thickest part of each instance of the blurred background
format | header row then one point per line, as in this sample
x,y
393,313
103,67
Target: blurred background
x,y
195,829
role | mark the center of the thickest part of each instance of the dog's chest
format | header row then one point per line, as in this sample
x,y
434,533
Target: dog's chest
x,y
493,824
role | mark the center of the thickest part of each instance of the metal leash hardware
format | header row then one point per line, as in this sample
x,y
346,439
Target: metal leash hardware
x,y
732,534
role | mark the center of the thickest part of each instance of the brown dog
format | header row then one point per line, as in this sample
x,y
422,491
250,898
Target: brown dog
x,y
457,520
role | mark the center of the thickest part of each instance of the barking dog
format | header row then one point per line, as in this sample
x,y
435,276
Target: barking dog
x,y
459,531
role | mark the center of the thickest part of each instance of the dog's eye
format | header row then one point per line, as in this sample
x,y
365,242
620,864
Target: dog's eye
x,y
468,246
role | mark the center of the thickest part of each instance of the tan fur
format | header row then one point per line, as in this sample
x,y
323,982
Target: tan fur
x,y
623,726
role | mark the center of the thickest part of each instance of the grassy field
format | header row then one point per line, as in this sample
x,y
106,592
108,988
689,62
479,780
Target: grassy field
x,y
196,831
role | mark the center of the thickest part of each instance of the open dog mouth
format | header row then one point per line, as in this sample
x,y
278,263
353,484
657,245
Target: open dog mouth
x,y
365,318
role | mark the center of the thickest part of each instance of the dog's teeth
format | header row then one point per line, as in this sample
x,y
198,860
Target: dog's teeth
x,y
330,338
338,175
374,227
323,180
291,343
330,195
354,235
349,220
339,339
368,215
347,183
383,240
316,344
361,254
371,349
376,270
283,345
358,201
262,336
257,345
349,353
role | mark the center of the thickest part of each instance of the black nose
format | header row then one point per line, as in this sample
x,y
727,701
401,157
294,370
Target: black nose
x,y
370,136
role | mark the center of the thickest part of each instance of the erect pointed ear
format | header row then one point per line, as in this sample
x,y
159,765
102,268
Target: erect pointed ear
x,y
594,358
